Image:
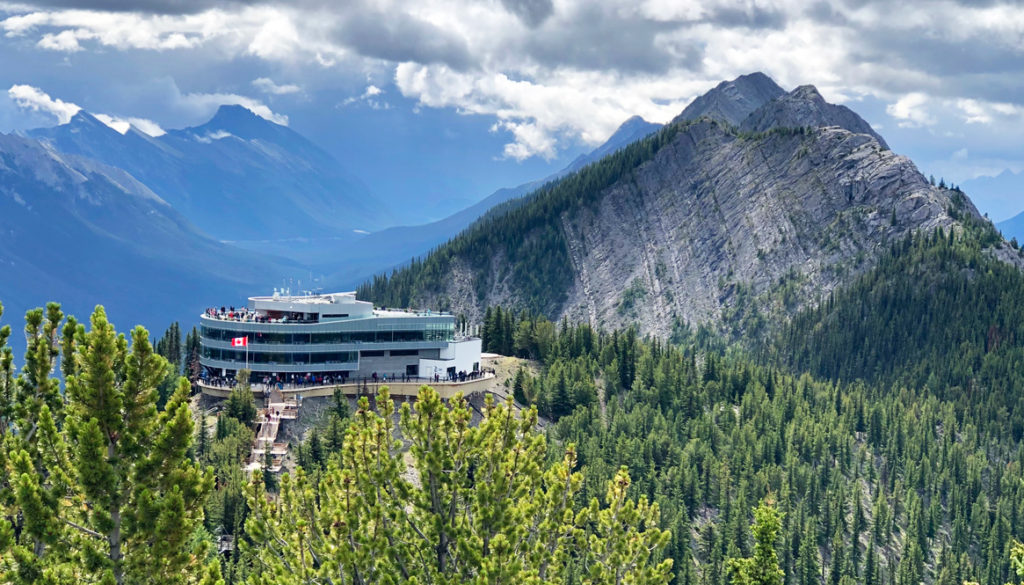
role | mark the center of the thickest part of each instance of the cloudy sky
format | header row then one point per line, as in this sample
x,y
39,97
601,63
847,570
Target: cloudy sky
x,y
450,99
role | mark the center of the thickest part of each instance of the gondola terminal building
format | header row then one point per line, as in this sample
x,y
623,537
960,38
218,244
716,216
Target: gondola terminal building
x,y
334,335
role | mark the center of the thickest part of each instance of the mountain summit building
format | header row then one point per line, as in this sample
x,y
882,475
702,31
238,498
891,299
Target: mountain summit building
x,y
333,337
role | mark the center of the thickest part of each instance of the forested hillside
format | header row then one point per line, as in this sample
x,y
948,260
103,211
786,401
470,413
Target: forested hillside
x,y
913,473
939,311
877,483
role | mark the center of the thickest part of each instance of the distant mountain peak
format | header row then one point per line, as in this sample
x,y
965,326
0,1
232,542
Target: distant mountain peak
x,y
630,129
244,123
83,117
633,121
235,112
732,101
232,116
83,120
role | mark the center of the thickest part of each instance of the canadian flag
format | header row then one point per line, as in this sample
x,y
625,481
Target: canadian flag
x,y
239,341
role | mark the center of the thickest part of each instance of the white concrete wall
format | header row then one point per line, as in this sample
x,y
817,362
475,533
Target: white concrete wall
x,y
461,355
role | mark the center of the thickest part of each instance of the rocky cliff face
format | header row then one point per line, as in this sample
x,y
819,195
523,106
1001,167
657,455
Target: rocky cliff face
x,y
716,225
724,223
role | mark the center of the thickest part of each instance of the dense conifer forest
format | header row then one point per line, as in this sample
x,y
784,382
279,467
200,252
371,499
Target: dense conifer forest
x,y
876,483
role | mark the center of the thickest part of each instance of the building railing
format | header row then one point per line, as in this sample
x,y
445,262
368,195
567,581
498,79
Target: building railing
x,y
265,388
252,317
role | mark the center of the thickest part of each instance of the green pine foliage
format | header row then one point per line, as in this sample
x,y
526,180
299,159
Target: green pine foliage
x,y
897,460
100,486
939,312
763,567
871,481
475,504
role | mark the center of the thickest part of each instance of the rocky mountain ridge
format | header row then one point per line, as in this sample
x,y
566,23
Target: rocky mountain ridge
x,y
719,222
732,101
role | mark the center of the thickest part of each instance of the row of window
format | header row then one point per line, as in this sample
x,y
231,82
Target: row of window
x,y
291,358
430,334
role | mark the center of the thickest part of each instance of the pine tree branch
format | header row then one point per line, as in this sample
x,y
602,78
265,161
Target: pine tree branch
x,y
85,530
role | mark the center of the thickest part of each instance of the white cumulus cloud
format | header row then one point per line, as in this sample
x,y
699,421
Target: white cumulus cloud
x,y
122,125
555,73
976,111
267,85
35,99
369,96
911,111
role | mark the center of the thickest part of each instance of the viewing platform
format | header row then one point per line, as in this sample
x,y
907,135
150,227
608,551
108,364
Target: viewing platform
x,y
291,392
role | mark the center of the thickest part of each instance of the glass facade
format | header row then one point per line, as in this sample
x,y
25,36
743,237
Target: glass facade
x,y
318,347
287,358
431,332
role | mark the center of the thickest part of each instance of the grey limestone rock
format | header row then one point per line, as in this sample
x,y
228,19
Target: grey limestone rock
x,y
732,101
804,106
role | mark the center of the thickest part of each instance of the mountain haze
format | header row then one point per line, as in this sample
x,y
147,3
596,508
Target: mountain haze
x,y
392,246
237,177
83,233
700,222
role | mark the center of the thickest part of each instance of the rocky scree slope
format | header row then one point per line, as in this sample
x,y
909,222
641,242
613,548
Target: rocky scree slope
x,y
700,222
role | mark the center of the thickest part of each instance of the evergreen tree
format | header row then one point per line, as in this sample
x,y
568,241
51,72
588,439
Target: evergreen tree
x,y
241,404
202,438
170,347
269,479
105,486
519,386
871,572
483,509
340,407
191,352
763,567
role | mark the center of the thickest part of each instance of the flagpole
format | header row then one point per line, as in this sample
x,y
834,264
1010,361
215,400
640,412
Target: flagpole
x,y
247,352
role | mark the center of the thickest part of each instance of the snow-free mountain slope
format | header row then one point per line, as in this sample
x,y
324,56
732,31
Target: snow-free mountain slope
x,y
804,106
700,222
386,248
732,101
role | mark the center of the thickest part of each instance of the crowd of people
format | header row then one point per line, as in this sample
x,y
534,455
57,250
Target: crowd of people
x,y
246,315
233,314
293,381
